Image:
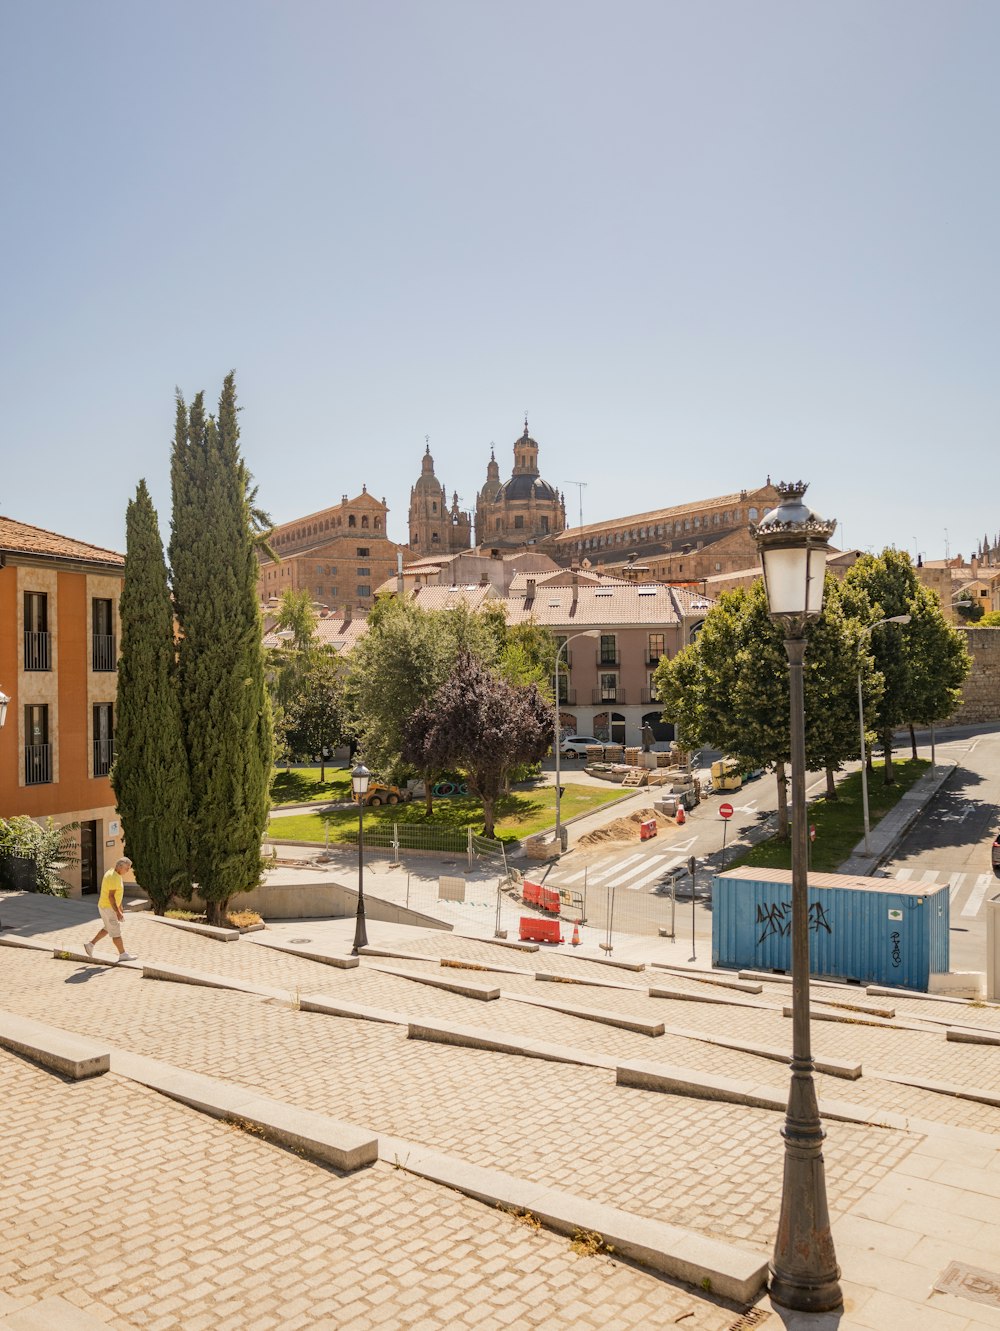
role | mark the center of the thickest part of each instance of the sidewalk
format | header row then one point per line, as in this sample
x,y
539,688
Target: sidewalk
x,y
886,835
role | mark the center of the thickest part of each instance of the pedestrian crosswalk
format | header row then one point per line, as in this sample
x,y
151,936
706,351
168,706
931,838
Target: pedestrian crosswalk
x,y
966,891
633,873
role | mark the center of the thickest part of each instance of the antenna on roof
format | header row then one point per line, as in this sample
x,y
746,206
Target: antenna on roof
x,y
580,487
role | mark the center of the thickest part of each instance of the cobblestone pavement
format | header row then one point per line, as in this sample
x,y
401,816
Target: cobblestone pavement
x,y
712,1167
147,1214
557,1124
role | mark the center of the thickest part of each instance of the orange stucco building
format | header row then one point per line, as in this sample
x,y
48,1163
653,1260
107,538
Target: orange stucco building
x,y
58,666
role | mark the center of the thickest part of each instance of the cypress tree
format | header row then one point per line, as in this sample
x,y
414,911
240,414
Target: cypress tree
x,y
150,777
227,720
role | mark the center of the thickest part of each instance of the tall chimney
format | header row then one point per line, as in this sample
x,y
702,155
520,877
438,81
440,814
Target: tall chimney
x,y
348,612
399,573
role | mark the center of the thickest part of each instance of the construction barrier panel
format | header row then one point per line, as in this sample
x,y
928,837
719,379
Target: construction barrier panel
x,y
647,829
550,900
532,893
539,931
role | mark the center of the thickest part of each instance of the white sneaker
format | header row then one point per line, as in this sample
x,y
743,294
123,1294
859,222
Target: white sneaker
x,y
127,956
89,949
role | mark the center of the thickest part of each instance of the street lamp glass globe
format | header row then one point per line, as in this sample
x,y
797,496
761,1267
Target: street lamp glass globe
x,y
4,700
793,543
360,778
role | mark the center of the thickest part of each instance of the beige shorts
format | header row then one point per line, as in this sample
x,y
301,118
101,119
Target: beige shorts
x,y
110,920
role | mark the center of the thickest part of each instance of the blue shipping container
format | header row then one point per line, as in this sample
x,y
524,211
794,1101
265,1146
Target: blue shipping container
x,y
876,930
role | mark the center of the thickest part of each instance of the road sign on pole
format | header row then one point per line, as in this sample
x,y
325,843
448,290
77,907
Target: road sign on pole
x,y
725,811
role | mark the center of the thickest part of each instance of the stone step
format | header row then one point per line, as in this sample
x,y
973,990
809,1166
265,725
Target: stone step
x,y
71,1055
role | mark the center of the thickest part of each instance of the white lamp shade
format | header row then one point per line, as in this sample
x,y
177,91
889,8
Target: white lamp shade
x,y
360,778
4,700
793,575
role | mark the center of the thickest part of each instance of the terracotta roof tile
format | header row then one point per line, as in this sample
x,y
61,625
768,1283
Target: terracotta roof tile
x,y
20,538
628,603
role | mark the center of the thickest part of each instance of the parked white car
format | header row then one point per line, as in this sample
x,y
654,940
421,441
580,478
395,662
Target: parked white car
x,y
575,746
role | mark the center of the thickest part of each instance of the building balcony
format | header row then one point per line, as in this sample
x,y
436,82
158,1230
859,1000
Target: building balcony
x,y
37,764
103,654
37,651
653,659
104,756
648,695
567,697
603,696
606,659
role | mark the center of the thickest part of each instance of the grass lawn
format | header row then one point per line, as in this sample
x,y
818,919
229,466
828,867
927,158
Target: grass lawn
x,y
521,814
300,784
839,823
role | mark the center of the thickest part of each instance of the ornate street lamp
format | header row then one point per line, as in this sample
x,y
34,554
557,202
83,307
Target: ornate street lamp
x,y
4,700
360,778
793,544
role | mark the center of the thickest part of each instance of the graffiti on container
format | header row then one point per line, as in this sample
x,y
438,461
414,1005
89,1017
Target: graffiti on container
x,y
776,919
897,956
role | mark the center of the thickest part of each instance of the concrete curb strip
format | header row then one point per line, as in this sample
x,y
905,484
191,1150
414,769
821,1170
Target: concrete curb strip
x,y
206,930
72,1055
678,972
882,991
817,1014
308,954
556,978
949,1088
674,1080
894,825
183,975
458,962
500,942
78,954
833,1067
355,1011
658,991
731,1272
439,982
606,1018
966,1036
340,1144
472,1038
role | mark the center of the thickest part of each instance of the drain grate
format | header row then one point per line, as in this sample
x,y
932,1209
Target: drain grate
x,y
753,1317
300,940
970,1282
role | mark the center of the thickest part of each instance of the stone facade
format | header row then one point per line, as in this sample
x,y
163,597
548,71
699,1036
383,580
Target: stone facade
x,y
522,511
686,541
339,555
981,694
435,527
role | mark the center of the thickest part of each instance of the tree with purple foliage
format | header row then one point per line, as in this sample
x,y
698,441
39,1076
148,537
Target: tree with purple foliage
x,y
480,723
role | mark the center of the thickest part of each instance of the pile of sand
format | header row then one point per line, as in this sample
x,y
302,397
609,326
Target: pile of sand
x,y
624,829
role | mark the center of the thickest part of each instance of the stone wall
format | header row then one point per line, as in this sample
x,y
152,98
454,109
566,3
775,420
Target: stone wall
x,y
981,694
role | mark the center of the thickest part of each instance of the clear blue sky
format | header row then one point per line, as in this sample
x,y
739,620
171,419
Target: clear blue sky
x,y
699,242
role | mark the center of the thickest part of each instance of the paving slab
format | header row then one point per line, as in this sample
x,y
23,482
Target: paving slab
x,y
218,932
308,953
340,1144
728,1270
440,982
73,1056
473,1037
601,1015
53,1314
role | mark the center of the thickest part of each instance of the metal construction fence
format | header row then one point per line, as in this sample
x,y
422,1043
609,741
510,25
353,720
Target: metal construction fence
x,y
393,840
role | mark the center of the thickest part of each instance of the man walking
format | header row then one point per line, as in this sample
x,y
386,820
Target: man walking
x,y
110,905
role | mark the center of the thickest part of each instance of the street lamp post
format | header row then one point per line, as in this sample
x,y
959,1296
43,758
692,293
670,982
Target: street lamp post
x,y
793,543
587,633
360,778
893,619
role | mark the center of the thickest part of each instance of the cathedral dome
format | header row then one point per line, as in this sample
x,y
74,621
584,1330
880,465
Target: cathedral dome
x,y
526,487
427,481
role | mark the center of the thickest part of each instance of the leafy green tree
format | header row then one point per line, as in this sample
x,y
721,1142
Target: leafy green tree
x,y
401,662
227,719
991,620
923,663
150,772
479,722
314,718
729,689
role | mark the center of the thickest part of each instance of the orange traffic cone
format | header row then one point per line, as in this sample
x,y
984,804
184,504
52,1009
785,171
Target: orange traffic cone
x,y
681,817
576,936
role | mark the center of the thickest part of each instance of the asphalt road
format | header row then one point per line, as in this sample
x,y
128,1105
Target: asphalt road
x,y
951,842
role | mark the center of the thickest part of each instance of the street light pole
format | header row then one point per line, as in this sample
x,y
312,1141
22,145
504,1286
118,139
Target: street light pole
x,y
893,619
588,633
360,778
793,543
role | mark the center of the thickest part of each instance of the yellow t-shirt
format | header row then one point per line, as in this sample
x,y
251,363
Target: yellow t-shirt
x,y
112,889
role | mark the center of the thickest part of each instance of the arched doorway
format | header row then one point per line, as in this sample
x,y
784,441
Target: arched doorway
x,y
617,728
663,731
567,724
